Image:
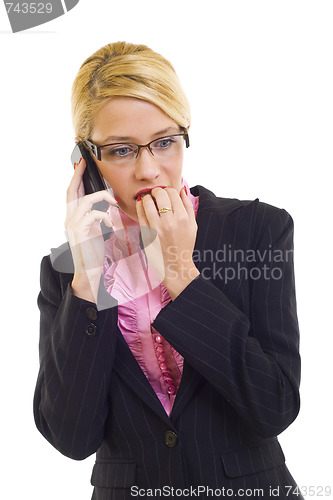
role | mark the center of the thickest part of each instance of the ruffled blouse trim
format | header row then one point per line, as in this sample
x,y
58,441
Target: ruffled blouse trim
x,y
141,296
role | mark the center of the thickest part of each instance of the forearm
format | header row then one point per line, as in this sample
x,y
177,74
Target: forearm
x,y
213,336
76,354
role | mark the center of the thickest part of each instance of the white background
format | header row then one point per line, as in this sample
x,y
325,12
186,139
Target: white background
x,y
259,78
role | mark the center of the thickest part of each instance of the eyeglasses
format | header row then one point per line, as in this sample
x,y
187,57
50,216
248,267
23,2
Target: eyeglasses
x,y
123,152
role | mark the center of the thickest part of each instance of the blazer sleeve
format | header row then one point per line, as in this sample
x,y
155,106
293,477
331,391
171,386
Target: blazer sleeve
x,y
252,359
77,347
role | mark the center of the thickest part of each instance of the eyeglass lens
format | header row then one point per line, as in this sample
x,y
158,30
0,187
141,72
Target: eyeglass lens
x,y
163,147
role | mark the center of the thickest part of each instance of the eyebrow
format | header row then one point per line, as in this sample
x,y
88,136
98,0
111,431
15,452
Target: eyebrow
x,y
116,138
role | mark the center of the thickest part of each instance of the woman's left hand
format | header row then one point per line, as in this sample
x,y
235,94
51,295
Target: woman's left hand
x,y
170,254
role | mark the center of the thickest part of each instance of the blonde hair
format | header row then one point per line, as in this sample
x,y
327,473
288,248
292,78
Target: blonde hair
x,y
127,70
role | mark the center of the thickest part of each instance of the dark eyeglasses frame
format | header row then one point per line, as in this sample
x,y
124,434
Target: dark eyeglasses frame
x,y
96,150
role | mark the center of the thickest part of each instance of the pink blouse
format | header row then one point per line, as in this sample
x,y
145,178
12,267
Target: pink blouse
x,y
141,296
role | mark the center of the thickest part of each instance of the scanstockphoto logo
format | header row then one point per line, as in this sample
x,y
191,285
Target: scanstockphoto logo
x,y
25,15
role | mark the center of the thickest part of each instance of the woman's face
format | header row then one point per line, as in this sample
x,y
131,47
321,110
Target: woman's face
x,y
130,120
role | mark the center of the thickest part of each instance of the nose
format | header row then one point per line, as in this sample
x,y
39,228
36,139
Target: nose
x,y
146,165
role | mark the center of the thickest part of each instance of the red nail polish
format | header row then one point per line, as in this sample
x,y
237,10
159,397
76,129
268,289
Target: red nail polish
x,y
116,199
139,198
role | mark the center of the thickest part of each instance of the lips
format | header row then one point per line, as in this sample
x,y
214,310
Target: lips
x,y
145,191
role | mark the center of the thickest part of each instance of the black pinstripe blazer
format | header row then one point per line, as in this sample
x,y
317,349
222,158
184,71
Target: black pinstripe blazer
x,y
236,327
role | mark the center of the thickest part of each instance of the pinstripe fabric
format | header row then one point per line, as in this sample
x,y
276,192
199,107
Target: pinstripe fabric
x,y
236,327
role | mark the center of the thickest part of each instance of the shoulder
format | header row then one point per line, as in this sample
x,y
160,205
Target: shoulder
x,y
209,202
248,215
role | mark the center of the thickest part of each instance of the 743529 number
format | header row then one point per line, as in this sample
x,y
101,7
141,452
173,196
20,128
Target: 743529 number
x,y
29,8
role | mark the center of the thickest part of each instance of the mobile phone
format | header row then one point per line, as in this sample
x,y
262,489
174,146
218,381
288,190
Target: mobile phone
x,y
92,180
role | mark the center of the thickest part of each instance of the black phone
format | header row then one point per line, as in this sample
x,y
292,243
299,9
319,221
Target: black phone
x,y
92,178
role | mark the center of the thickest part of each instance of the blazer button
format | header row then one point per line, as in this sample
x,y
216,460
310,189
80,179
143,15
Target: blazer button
x,y
170,438
91,330
91,313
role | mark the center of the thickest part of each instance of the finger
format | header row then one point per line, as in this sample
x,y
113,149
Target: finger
x,y
161,197
182,206
75,189
107,220
188,205
76,182
143,221
150,210
81,191
97,215
148,233
89,200
88,227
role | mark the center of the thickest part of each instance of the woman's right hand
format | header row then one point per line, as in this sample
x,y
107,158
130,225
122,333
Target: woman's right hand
x,y
85,235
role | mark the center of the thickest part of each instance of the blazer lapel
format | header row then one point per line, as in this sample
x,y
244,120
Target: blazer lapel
x,y
188,385
129,370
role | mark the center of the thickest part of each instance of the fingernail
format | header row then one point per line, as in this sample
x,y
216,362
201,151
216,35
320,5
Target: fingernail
x,y
116,199
139,198
185,189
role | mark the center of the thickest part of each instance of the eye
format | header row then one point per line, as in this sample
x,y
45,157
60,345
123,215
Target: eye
x,y
119,151
164,143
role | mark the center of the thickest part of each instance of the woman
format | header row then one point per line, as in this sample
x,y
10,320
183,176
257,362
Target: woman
x,y
171,349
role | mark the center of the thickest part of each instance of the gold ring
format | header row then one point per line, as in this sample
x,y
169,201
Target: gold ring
x,y
164,210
